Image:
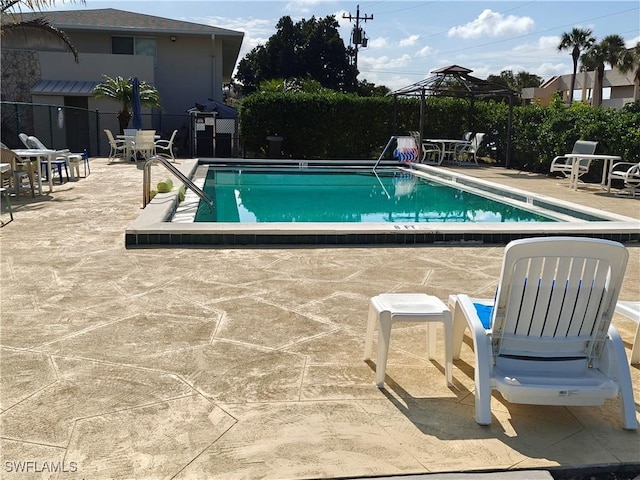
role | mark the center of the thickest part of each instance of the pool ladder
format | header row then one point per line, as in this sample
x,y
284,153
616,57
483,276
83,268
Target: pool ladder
x,y
146,180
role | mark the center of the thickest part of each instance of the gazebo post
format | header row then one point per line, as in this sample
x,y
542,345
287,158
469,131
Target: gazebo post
x,y
395,114
422,109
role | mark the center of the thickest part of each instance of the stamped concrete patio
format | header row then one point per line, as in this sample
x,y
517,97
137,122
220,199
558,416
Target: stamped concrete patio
x,y
246,363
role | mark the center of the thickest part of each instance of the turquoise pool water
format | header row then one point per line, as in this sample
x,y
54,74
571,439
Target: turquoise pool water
x,y
345,195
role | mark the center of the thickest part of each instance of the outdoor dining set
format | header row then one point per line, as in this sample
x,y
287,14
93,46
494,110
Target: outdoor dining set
x,y
28,167
464,151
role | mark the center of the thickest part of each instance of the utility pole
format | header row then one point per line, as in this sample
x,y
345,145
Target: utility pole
x,y
358,36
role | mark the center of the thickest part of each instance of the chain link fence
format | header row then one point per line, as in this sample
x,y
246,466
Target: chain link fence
x,y
78,129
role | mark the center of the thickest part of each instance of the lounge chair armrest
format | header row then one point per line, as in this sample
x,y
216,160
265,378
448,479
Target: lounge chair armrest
x,y
465,303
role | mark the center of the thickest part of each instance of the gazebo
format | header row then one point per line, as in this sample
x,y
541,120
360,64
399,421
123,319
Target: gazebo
x,y
456,81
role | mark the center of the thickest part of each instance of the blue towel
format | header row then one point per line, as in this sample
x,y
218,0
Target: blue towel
x,y
484,314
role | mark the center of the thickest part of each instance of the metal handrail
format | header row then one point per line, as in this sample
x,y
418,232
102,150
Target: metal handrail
x,y
146,181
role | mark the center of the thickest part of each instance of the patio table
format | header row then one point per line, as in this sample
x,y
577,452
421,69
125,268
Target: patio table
x,y
575,163
28,153
448,146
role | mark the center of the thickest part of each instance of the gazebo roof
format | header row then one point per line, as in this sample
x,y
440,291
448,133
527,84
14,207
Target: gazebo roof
x,y
454,81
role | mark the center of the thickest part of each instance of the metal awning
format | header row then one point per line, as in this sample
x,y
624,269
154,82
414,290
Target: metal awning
x,y
64,87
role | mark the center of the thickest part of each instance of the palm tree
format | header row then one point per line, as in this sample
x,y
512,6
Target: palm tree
x,y
121,90
632,59
610,50
577,40
10,11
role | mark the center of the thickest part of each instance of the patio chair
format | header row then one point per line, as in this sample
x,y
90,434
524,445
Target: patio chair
x,y
60,161
406,150
167,146
547,338
4,197
118,148
628,173
144,144
631,310
19,170
468,152
430,152
564,165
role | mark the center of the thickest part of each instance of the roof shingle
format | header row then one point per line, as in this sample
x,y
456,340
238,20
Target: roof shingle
x,y
113,19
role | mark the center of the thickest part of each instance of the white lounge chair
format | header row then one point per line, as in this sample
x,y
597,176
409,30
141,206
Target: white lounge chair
x,y
631,310
547,339
628,173
564,165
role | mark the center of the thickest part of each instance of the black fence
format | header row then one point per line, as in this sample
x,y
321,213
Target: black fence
x,y
78,129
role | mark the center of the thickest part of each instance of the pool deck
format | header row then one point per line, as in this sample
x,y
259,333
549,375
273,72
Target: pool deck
x,y
246,363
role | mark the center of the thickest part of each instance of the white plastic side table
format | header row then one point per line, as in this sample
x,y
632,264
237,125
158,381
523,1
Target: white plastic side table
x,y
631,310
388,308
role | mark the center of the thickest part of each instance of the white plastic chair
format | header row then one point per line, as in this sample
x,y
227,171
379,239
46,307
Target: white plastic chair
x,y
631,310
117,148
628,173
564,165
144,144
547,339
167,146
466,153
430,152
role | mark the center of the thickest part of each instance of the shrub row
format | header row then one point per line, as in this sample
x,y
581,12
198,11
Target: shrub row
x,y
338,126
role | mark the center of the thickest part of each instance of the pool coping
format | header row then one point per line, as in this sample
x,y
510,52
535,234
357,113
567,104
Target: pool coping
x,y
153,228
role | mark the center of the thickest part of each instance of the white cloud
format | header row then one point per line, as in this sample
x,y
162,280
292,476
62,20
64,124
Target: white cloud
x,y
492,24
302,6
379,42
384,62
409,41
425,51
632,42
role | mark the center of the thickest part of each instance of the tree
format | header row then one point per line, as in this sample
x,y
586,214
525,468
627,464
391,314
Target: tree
x,y
577,40
629,62
121,90
306,49
515,82
368,89
10,11
610,50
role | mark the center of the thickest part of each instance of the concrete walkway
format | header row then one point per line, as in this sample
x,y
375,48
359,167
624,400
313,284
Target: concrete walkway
x,y
245,363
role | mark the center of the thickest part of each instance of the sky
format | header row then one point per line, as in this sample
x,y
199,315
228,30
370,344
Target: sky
x,y
409,39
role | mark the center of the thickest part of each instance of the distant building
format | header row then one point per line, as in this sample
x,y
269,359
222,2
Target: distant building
x,y
187,62
621,85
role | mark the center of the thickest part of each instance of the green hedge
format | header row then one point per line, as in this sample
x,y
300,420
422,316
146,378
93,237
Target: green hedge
x,y
338,126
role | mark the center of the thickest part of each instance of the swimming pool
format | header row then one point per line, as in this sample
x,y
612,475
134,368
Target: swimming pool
x,y
161,224
352,195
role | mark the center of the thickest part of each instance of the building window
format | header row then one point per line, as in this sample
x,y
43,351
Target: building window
x,y
134,46
122,45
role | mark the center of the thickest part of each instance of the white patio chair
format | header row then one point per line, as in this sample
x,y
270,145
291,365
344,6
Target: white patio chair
x,y
429,152
144,144
547,338
167,146
117,148
628,173
631,310
468,152
564,165
406,150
